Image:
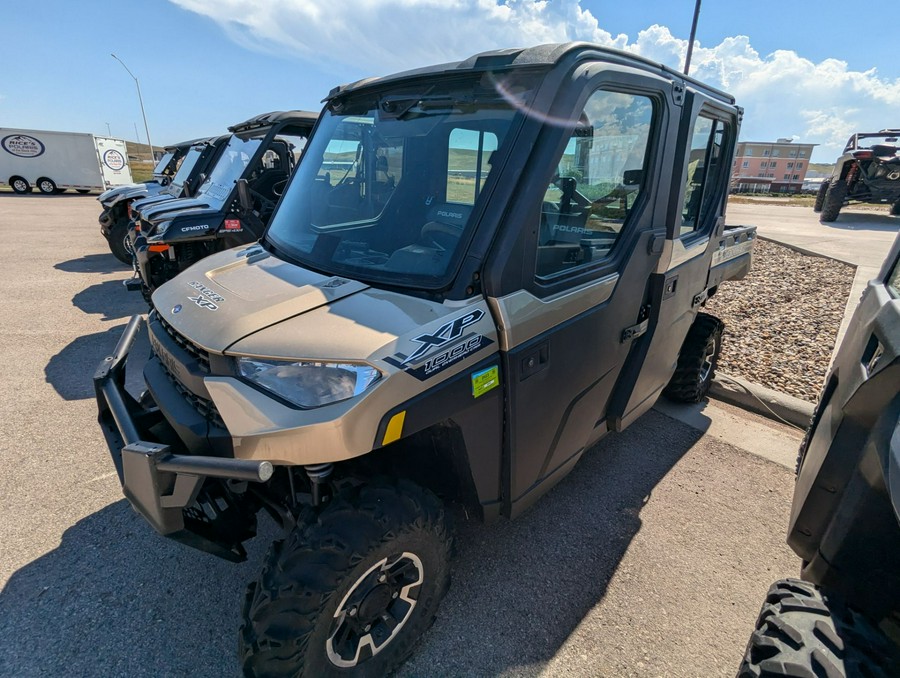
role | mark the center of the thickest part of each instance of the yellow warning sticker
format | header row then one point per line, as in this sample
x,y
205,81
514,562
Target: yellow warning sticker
x,y
485,380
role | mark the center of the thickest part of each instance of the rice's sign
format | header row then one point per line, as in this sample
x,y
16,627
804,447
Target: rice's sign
x,y
22,145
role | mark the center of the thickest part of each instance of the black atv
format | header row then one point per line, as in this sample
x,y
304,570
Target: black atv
x,y
231,207
842,618
867,172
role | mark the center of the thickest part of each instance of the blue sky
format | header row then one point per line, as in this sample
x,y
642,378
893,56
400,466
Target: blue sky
x,y
205,64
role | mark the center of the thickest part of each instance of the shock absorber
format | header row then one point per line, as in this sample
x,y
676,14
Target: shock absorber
x,y
852,174
318,474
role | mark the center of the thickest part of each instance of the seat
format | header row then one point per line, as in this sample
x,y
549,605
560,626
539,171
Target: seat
x,y
445,224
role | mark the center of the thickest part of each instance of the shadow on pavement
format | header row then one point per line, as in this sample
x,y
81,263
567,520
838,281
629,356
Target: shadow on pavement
x,y
71,371
111,300
115,599
92,263
865,221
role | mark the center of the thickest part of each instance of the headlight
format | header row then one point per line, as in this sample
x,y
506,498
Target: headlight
x,y
309,384
159,231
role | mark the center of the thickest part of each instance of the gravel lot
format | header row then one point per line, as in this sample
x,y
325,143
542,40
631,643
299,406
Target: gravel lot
x,y
782,320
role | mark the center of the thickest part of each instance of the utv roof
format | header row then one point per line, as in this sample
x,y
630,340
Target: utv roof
x,y
548,55
265,119
187,144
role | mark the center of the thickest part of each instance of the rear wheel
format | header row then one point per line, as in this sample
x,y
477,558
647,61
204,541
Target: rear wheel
x,y
352,588
46,186
834,200
19,185
120,242
697,360
820,197
802,632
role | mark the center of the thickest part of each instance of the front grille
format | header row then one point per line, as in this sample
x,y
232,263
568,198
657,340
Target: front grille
x,y
206,408
199,354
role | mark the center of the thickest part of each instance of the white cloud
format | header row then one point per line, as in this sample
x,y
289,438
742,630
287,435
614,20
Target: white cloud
x,y
783,93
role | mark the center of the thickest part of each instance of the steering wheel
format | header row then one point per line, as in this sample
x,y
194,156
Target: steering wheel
x,y
442,236
265,203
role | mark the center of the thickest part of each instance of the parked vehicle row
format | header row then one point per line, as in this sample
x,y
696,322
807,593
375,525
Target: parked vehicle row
x,y
474,272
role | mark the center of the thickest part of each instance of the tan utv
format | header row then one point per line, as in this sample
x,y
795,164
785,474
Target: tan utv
x,y
477,271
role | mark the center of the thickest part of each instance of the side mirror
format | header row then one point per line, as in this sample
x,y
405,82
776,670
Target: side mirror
x,y
632,177
244,198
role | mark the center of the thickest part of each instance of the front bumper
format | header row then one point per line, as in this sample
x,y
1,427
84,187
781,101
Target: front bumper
x,y
157,478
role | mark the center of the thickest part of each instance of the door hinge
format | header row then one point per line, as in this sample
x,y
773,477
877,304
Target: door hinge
x,y
635,331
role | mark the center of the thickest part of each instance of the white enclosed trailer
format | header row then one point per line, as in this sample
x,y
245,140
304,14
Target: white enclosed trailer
x,y
55,161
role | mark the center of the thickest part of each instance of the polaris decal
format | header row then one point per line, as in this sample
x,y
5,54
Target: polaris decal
x,y
443,356
22,145
114,160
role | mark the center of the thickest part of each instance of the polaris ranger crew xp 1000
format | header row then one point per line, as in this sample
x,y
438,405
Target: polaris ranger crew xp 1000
x,y
231,207
478,270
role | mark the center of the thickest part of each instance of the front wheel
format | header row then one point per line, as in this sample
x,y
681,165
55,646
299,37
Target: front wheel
x,y
802,631
120,242
46,186
697,360
834,200
352,588
820,197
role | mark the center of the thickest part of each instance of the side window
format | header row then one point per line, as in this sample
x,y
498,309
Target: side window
x,y
597,184
468,164
703,170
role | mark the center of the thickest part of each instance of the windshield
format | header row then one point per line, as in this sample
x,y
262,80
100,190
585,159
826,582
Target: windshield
x,y
389,181
229,168
163,165
187,166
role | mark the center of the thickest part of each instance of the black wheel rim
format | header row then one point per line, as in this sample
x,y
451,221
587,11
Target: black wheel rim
x,y
375,609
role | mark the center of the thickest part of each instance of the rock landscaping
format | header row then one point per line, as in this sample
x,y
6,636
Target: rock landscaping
x,y
782,320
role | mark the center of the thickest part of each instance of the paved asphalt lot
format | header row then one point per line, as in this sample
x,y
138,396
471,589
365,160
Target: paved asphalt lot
x,y
650,559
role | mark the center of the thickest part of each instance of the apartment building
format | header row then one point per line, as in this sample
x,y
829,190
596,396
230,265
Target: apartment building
x,y
770,167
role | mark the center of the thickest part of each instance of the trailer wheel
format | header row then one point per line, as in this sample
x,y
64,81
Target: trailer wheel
x,y
697,360
83,191
19,185
46,186
120,243
820,196
895,209
352,588
803,632
834,200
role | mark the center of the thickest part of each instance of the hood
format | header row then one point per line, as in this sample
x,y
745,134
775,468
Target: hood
x,y
168,209
113,195
229,295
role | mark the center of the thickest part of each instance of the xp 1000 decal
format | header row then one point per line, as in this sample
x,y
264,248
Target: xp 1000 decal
x,y
446,346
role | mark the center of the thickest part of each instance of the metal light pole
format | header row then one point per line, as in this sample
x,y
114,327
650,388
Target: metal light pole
x,y
141,100
687,60
108,130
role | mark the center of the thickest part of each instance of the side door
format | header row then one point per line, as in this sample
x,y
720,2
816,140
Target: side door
x,y
704,151
568,327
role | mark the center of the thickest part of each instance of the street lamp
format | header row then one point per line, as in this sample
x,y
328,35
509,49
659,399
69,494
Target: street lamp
x,y
690,50
141,100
